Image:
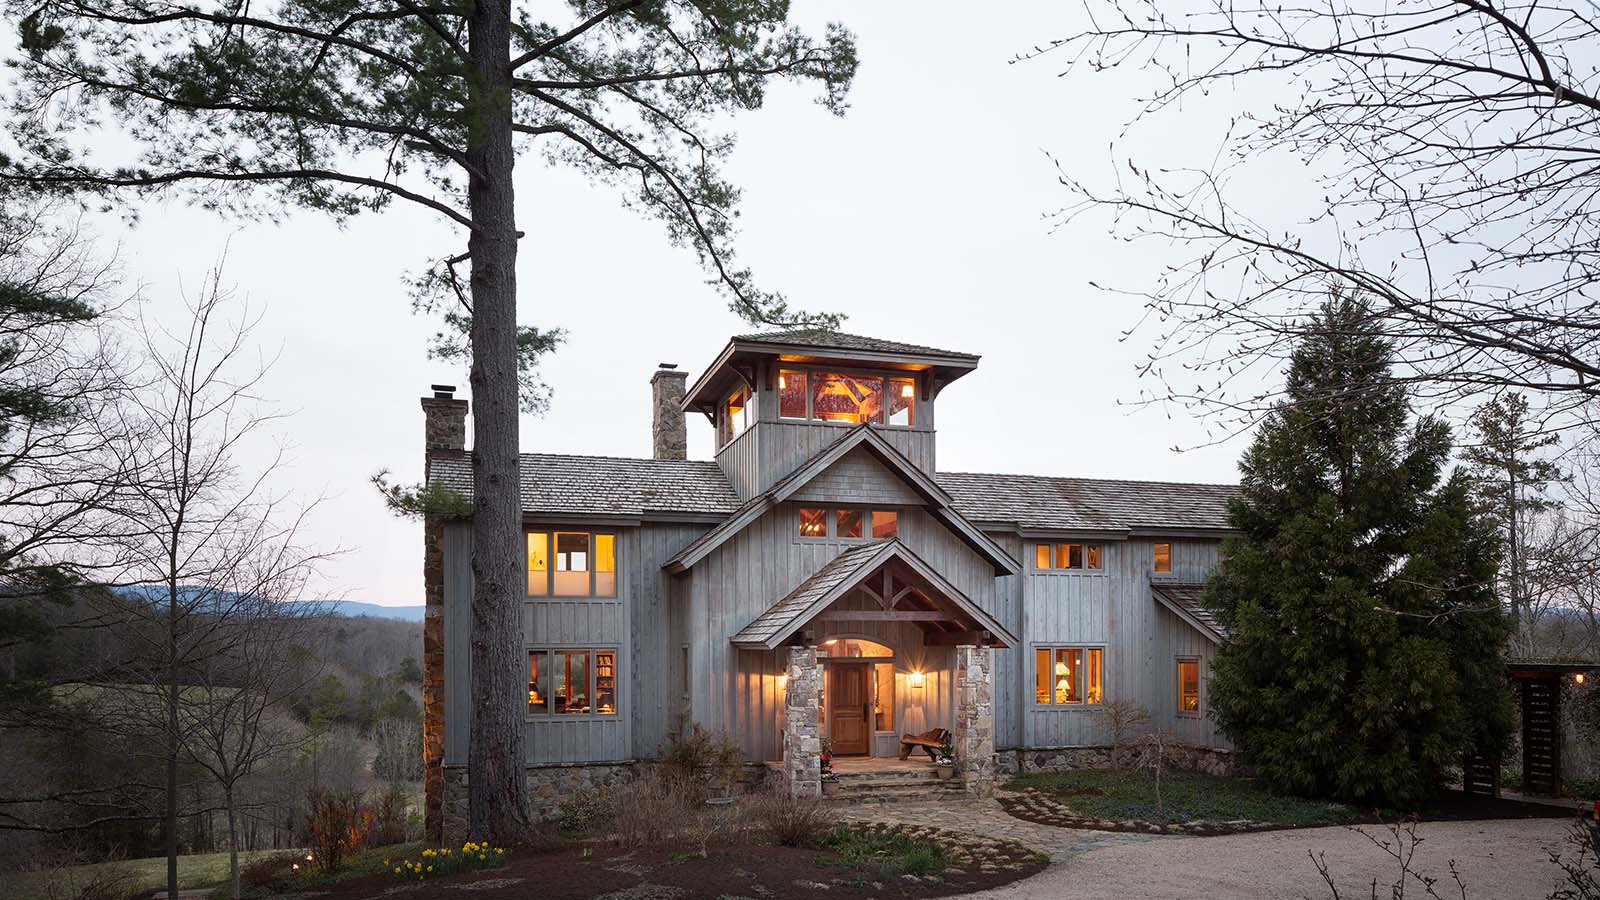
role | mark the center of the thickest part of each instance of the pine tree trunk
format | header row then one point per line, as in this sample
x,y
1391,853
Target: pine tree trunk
x,y
496,761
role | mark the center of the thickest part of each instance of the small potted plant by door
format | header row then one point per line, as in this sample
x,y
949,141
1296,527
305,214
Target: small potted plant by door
x,y
945,766
830,781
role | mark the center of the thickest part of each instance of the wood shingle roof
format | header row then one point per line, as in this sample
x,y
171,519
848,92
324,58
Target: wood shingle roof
x,y
823,339
1089,504
565,485
1184,600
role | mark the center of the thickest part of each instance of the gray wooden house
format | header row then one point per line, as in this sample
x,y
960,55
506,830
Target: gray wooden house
x,y
822,579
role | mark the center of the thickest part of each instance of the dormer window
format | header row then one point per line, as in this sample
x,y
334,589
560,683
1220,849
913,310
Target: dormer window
x,y
852,399
738,414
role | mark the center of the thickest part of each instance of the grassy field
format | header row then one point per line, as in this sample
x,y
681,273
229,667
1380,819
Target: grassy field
x,y
1186,797
194,871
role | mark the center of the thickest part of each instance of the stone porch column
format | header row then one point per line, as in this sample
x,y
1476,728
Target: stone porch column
x,y
974,725
802,740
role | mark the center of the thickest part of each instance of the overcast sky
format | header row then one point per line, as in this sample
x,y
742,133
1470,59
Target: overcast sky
x,y
921,215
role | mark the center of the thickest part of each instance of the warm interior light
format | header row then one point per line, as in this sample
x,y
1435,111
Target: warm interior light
x,y
1061,686
916,679
1578,678
782,382
830,642
1061,669
783,682
907,391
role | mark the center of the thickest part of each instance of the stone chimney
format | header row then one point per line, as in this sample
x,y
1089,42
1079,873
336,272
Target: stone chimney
x,y
444,420
444,432
669,435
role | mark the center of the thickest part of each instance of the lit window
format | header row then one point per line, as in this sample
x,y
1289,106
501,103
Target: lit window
x,y
791,394
1163,557
883,697
605,566
1067,556
605,682
572,564
538,563
902,399
1068,676
847,398
885,523
572,682
738,415
848,523
813,522
585,564
1189,685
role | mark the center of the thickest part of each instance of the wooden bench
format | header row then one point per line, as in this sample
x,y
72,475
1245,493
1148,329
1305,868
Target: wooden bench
x,y
932,740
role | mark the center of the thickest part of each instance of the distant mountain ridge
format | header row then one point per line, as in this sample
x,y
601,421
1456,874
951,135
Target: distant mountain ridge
x,y
154,593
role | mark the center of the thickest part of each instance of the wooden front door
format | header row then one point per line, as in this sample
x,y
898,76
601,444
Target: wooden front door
x,y
849,708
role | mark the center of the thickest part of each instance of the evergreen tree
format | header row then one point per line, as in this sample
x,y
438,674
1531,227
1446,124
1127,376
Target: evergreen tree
x,y
1364,653
1511,477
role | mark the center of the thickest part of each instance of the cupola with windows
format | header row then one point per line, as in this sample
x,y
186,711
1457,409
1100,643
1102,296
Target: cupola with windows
x,y
775,399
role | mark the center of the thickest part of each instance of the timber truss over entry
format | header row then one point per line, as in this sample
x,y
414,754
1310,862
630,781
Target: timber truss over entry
x,y
880,582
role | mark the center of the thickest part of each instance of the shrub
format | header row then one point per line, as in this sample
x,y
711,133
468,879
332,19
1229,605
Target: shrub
x,y
1120,720
702,762
588,813
102,883
389,820
267,871
791,821
338,823
444,861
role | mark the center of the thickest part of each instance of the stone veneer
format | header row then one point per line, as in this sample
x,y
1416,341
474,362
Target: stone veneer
x,y
552,787
669,433
802,738
444,432
974,726
1181,757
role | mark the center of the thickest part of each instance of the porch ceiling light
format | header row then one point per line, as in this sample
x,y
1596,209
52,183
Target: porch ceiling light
x,y
916,679
1578,678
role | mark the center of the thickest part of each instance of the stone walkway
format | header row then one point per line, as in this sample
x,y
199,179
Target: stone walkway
x,y
1505,860
985,818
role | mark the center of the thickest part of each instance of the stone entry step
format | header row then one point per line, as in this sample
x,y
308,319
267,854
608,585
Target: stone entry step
x,y
898,785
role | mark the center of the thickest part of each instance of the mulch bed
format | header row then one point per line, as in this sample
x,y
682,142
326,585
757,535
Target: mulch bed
x,y
1050,808
752,872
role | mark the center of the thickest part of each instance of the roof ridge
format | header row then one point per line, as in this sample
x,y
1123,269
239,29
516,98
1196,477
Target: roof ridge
x,y
1093,479
647,459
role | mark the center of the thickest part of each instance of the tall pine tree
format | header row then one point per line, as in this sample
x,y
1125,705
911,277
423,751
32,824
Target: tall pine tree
x,y
1365,647
1512,471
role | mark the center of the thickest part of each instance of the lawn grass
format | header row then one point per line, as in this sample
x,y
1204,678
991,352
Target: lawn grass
x,y
1186,797
888,855
194,870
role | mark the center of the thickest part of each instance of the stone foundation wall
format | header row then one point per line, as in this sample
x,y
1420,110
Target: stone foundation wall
x,y
1180,757
552,787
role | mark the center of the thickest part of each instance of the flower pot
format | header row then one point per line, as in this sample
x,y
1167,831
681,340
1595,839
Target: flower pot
x,y
945,771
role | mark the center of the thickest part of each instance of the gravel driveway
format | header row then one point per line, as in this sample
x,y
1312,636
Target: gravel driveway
x,y
1498,860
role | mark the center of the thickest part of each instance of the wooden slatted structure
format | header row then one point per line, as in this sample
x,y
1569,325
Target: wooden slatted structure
x,y
1480,774
1541,735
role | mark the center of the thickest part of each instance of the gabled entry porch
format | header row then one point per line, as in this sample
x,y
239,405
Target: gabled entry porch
x,y
873,645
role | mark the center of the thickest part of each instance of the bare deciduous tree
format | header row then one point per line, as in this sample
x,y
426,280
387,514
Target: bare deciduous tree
x,y
1455,145
212,550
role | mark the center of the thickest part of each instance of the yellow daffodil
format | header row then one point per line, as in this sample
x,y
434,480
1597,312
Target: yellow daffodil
x,y
397,870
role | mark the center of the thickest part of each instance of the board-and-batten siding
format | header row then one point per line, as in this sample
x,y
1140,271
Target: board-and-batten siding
x,y
1142,640
656,603
636,623
735,692
767,451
